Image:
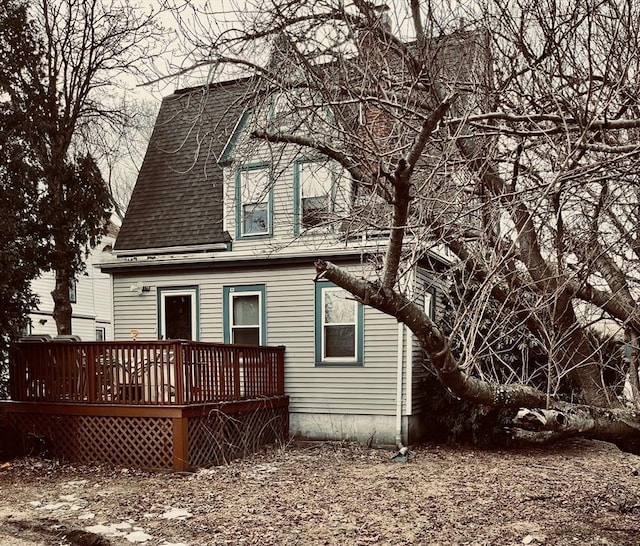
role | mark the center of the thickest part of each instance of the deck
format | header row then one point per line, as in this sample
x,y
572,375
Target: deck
x,y
148,404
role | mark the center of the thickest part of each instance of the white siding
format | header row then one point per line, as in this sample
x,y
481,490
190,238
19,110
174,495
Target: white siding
x,y
94,300
289,292
281,161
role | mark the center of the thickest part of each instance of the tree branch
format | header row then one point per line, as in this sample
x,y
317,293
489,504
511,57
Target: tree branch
x,y
433,341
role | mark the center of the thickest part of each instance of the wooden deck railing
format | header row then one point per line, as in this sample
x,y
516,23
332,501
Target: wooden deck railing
x,y
144,372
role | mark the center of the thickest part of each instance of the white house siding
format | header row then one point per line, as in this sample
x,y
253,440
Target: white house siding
x,y
333,396
282,163
94,301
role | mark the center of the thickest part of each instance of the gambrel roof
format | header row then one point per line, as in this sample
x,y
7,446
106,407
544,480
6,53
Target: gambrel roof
x,y
177,204
177,200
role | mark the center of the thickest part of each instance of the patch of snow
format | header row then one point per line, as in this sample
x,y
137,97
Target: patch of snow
x,y
176,513
105,530
88,515
35,503
270,468
54,506
173,544
138,536
69,498
205,472
121,526
76,483
534,539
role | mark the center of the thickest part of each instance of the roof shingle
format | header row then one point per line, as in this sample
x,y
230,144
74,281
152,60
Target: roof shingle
x,y
177,200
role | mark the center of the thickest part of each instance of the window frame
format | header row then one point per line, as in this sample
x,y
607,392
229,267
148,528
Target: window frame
x,y
73,290
228,295
297,194
429,302
194,292
239,216
321,288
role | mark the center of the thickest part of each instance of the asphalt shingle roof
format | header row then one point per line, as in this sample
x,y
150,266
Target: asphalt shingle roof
x,y
177,200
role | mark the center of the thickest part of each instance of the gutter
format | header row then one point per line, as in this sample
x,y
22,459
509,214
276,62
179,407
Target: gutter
x,y
209,247
223,260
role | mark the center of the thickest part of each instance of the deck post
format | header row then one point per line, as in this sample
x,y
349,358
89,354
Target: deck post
x,y
179,350
236,373
180,444
280,371
91,374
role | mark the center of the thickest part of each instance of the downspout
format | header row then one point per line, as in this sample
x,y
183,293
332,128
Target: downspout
x,y
399,386
408,360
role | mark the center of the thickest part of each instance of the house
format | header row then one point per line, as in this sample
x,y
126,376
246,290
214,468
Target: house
x,y
219,244
91,297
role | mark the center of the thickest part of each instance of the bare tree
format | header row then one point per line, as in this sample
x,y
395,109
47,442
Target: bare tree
x,y
506,133
64,97
119,150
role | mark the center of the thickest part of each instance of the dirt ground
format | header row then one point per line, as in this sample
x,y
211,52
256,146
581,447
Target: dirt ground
x,y
578,493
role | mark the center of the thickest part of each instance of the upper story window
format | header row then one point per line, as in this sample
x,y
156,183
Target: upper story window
x,y
253,198
313,183
430,303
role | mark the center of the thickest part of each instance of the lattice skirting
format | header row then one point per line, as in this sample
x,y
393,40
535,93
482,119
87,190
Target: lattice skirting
x,y
218,436
142,442
184,438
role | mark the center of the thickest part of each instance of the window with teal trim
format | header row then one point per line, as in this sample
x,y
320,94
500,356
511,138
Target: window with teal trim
x,y
254,201
244,315
339,326
313,194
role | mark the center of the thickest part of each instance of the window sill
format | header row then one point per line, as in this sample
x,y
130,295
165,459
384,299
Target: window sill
x,y
251,236
339,364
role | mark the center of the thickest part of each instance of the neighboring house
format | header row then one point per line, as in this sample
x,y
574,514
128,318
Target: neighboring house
x,y
219,244
91,298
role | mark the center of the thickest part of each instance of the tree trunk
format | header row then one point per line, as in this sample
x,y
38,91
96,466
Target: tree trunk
x,y
574,420
62,310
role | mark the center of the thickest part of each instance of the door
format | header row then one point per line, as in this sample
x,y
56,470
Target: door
x,y
178,317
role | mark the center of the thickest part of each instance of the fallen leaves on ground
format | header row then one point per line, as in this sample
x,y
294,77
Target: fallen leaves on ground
x,y
577,493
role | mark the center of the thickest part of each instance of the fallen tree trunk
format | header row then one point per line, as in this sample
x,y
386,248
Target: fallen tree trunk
x,y
577,420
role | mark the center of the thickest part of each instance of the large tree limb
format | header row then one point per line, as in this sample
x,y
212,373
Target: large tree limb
x,y
433,341
560,418
401,192
575,420
566,123
546,278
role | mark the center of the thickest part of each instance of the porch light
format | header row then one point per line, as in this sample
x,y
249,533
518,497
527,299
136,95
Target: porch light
x,y
139,288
